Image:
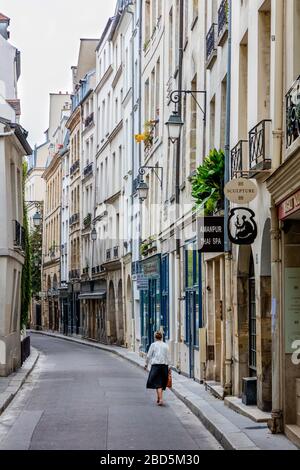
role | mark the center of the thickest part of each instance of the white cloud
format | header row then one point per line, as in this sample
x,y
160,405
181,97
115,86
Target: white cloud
x,y
47,33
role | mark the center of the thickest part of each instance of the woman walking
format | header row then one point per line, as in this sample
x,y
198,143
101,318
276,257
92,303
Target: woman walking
x,y
158,357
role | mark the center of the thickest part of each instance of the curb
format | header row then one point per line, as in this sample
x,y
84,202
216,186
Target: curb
x,y
18,381
226,433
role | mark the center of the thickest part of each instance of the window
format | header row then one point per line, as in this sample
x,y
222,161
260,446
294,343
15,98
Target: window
x,y
170,42
193,128
165,295
193,318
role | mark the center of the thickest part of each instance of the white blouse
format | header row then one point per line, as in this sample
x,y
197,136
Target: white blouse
x,y
158,353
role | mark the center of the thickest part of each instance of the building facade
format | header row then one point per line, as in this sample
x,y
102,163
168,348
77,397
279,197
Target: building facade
x,y
13,147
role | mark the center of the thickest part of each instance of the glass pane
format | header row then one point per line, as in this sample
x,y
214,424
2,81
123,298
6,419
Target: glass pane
x,y
189,268
196,319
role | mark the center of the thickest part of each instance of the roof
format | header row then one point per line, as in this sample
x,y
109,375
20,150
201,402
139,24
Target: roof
x,y
20,133
4,18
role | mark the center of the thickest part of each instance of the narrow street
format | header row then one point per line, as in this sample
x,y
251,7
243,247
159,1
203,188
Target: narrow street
x,y
81,398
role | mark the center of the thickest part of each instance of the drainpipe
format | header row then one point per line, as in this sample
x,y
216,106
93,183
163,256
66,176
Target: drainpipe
x,y
177,185
276,422
228,255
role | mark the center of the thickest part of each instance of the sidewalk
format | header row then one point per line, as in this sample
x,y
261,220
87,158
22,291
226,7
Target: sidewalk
x,y
232,430
9,386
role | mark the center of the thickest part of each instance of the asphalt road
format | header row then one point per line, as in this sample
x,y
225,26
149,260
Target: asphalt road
x,y
80,398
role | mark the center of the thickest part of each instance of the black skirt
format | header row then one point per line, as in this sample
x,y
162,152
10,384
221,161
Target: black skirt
x,y
158,376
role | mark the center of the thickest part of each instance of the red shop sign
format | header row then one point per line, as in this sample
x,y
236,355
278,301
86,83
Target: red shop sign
x,y
289,206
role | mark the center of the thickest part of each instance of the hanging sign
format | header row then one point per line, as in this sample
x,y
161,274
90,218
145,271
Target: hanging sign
x,y
210,231
242,227
240,191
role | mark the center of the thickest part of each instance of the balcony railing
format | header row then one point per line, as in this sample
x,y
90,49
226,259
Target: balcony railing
x,y
259,146
293,113
87,220
222,21
74,167
74,219
89,120
211,45
238,154
88,170
85,270
19,235
116,252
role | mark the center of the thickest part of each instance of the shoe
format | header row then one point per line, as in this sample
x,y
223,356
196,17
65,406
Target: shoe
x,y
160,403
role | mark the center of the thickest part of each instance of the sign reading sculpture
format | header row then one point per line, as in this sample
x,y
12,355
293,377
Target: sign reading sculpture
x,y
240,191
210,234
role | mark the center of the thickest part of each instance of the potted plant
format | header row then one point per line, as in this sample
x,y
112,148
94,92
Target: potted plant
x,y
208,183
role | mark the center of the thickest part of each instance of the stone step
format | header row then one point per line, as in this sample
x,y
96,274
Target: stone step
x,y
293,433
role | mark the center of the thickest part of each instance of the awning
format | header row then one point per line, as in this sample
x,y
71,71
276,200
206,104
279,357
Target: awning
x,y
93,295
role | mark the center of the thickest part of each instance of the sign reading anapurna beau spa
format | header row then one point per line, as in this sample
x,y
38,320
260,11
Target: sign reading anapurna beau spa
x,y
210,231
240,191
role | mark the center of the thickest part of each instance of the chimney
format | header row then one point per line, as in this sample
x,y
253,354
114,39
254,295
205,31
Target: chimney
x,y
4,23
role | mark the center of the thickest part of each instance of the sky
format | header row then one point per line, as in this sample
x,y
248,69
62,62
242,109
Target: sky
x,y
47,32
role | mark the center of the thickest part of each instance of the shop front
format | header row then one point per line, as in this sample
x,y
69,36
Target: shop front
x,y
154,298
93,306
286,311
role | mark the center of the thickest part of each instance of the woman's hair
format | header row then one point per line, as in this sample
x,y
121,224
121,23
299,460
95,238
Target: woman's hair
x,y
158,335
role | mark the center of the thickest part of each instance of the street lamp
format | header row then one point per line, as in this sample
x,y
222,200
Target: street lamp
x,y
175,123
37,219
174,126
142,190
94,234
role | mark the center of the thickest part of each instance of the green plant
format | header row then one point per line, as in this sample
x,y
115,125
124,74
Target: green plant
x,y
146,245
26,271
208,183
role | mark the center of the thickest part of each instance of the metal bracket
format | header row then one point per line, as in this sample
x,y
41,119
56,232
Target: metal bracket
x,y
142,172
176,95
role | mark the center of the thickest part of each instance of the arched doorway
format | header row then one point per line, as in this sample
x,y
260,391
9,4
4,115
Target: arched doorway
x,y
111,324
120,314
244,274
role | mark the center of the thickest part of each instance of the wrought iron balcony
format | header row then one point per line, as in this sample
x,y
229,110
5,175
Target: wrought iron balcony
x,y
222,22
74,219
89,120
211,46
116,252
293,113
259,146
238,154
19,235
88,170
87,220
74,167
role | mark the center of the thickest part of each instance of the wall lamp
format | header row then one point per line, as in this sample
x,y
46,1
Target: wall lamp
x,y
143,188
175,123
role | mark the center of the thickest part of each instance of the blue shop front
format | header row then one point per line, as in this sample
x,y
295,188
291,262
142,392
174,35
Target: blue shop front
x,y
154,291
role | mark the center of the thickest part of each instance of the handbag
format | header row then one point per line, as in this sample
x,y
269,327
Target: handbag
x,y
169,383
